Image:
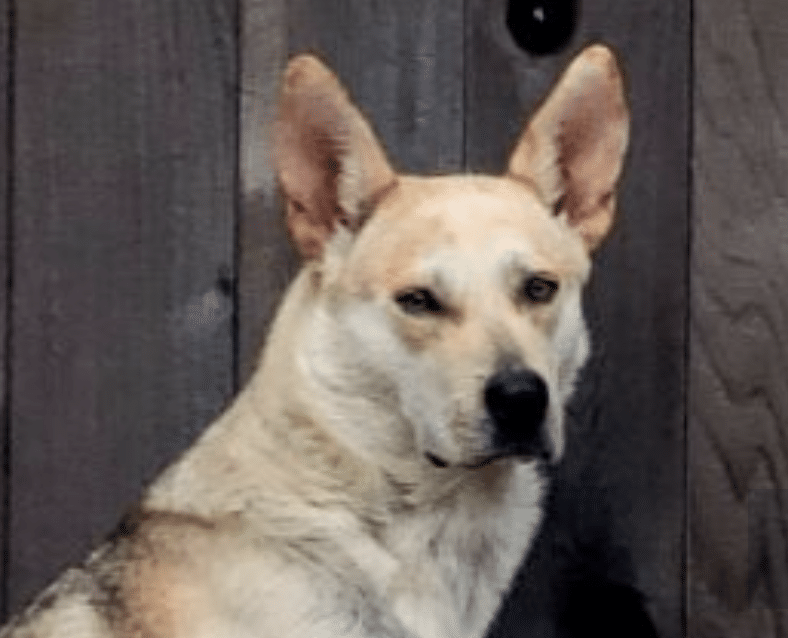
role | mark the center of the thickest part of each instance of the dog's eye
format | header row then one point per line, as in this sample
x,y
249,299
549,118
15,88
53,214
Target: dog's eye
x,y
420,301
539,290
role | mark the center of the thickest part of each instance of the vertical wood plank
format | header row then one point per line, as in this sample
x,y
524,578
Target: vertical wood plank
x,y
266,260
123,254
403,63
5,284
738,461
617,510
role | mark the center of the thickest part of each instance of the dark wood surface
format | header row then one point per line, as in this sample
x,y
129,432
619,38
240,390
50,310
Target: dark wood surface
x,y
266,261
404,65
124,185
618,508
738,400
5,284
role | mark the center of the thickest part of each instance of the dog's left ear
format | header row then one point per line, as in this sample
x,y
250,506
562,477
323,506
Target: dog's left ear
x,y
330,164
573,148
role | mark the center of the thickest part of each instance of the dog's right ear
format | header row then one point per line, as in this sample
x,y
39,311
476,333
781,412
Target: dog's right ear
x,y
330,165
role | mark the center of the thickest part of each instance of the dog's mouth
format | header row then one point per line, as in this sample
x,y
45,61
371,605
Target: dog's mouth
x,y
540,458
435,460
440,463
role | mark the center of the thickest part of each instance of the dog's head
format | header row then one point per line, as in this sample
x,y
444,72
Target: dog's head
x,y
450,304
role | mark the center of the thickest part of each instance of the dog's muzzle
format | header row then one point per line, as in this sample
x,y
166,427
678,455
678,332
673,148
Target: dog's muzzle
x,y
516,400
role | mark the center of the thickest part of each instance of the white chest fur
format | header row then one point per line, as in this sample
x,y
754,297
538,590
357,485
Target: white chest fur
x,y
456,563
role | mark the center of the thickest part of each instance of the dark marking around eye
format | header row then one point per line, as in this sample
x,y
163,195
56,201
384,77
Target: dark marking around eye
x,y
539,290
418,302
559,204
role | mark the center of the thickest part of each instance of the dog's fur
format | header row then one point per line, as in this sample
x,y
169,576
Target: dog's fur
x,y
360,485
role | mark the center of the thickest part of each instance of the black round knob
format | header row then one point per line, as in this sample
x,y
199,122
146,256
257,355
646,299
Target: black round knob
x,y
541,27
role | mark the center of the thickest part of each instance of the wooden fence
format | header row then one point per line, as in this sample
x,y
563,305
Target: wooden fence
x,y
143,255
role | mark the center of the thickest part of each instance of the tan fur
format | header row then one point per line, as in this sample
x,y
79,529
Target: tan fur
x,y
311,508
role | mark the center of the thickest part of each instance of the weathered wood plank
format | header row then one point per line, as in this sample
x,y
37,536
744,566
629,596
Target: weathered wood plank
x,y
618,506
403,62
5,286
266,261
738,455
125,180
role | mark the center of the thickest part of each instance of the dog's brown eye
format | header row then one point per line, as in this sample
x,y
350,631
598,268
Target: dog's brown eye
x,y
416,302
539,290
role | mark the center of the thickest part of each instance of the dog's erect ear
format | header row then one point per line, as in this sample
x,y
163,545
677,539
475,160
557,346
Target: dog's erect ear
x,y
330,164
573,148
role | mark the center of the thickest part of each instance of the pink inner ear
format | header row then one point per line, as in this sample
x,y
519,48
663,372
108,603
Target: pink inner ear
x,y
308,235
573,147
328,158
309,171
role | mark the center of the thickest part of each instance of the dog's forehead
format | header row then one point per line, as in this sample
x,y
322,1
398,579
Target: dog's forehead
x,y
476,223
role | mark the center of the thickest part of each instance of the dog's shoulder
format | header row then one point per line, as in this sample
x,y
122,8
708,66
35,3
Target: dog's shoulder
x,y
171,574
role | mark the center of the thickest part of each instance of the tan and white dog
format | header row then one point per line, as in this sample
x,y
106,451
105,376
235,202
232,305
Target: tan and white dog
x,y
379,476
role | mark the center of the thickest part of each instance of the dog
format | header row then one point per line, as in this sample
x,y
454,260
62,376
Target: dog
x,y
381,475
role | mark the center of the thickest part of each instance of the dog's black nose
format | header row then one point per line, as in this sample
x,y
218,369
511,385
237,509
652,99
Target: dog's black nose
x,y
516,399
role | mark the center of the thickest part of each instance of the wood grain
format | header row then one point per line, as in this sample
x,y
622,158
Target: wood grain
x,y
5,287
738,400
266,260
403,63
617,510
123,255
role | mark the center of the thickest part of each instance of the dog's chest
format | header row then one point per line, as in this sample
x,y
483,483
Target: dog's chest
x,y
455,565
